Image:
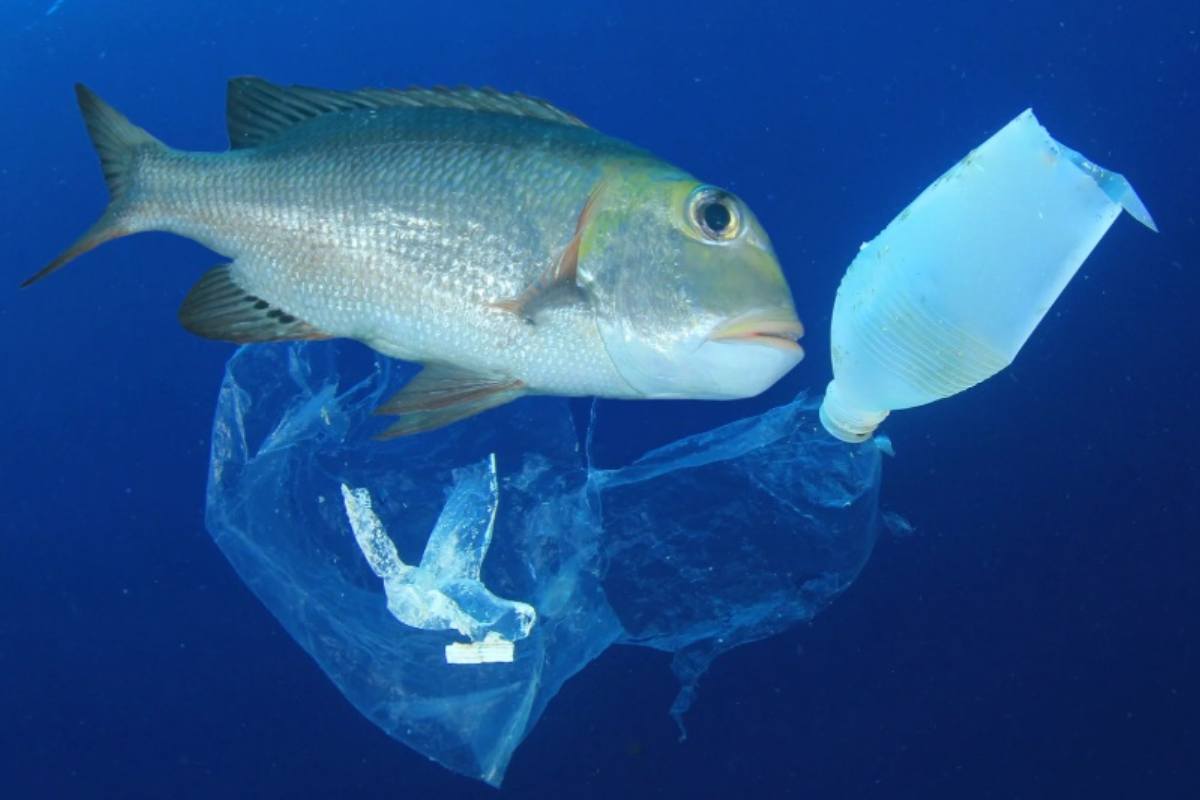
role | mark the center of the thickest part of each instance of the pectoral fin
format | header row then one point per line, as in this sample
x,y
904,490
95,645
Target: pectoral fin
x,y
217,308
441,394
560,277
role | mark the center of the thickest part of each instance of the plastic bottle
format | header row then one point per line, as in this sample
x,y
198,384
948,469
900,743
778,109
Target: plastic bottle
x,y
946,296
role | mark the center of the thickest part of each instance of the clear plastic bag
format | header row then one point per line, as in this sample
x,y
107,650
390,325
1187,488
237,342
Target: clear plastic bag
x,y
715,540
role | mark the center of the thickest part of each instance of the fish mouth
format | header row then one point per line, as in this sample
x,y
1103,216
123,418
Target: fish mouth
x,y
773,331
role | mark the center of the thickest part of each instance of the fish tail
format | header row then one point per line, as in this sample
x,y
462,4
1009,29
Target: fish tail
x,y
119,143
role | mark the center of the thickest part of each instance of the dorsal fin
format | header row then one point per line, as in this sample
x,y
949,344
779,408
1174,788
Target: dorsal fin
x,y
257,110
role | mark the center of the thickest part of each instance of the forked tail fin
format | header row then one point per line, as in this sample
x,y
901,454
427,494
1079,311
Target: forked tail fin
x,y
118,143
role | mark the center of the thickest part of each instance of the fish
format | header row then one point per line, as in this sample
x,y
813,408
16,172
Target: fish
x,y
493,238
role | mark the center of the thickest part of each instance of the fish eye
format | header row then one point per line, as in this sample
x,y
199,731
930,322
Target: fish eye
x,y
714,213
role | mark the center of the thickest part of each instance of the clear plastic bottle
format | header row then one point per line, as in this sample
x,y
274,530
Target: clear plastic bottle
x,y
949,292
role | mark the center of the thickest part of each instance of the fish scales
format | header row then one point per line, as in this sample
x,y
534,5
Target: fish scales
x,y
399,227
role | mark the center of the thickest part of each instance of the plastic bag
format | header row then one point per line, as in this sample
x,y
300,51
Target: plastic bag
x,y
715,540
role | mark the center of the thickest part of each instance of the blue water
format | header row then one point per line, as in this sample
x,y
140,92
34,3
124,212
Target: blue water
x,y
1036,637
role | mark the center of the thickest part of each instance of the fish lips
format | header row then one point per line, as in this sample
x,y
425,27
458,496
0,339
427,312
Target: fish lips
x,y
768,330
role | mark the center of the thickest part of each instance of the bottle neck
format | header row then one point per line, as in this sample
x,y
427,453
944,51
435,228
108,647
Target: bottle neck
x,y
844,420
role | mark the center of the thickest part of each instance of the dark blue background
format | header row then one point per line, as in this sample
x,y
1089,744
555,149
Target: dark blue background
x,y
1038,636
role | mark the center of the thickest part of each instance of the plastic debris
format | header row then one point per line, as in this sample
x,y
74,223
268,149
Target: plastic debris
x,y
718,539
445,591
951,290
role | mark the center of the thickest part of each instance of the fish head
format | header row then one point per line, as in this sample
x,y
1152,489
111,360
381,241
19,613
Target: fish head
x,y
689,297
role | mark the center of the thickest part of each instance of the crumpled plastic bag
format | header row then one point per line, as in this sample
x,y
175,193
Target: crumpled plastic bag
x,y
715,540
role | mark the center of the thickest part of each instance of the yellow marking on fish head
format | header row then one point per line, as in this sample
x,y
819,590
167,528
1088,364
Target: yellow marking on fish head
x,y
674,265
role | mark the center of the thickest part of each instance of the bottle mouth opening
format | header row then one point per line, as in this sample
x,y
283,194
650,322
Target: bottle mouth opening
x,y
846,422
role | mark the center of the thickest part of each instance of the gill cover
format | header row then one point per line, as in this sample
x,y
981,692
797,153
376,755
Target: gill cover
x,y
669,263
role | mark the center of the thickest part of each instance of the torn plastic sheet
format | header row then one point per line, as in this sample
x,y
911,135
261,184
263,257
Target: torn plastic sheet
x,y
734,534
445,592
718,539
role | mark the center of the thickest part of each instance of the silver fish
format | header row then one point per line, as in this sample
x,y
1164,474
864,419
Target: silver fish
x,y
492,237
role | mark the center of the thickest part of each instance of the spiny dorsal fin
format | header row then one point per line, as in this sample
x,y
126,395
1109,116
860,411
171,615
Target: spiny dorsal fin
x,y
217,308
441,394
257,110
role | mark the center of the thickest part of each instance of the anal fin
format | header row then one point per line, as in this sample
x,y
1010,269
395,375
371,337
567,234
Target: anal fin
x,y
441,394
217,308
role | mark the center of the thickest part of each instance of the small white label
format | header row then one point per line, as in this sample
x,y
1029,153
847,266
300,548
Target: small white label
x,y
492,650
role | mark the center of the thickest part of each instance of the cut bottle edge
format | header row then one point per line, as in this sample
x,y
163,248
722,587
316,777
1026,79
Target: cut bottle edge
x,y
1115,185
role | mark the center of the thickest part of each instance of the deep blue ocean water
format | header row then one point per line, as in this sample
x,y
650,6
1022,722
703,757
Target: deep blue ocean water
x,y
1036,637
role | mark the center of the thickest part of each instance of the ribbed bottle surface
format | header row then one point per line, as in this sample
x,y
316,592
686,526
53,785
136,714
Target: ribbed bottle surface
x,y
920,355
